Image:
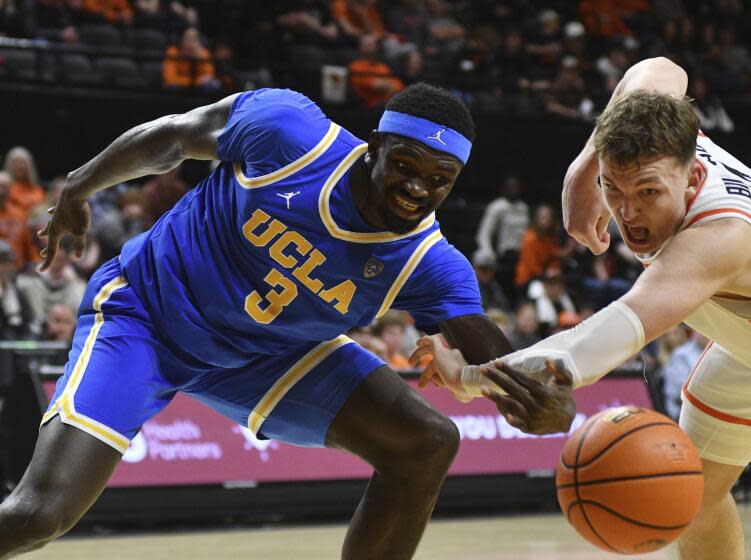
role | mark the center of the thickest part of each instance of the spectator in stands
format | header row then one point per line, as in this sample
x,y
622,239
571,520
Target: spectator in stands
x,y
174,18
311,33
545,45
358,18
712,114
14,310
677,369
608,18
25,192
526,329
408,20
13,228
365,338
114,12
501,230
52,21
551,299
390,329
189,65
58,285
447,34
60,324
598,276
114,225
371,79
161,194
514,66
491,293
540,248
567,97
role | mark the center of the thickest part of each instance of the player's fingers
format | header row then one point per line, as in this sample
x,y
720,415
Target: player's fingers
x,y
418,354
462,398
515,414
79,245
513,389
426,376
43,232
49,252
533,387
561,375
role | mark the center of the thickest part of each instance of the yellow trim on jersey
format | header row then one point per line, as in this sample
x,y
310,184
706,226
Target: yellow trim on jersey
x,y
408,269
357,237
302,367
290,168
65,404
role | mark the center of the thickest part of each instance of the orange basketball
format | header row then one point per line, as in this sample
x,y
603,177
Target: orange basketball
x,y
629,480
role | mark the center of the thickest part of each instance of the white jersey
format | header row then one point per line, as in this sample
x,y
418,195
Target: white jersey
x,y
725,193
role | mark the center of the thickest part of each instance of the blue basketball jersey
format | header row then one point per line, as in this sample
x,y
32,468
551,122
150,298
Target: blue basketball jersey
x,y
269,252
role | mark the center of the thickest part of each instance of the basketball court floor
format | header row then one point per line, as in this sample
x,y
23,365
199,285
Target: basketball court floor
x,y
529,537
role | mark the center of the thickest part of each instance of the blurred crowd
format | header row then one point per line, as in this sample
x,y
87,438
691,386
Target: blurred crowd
x,y
518,56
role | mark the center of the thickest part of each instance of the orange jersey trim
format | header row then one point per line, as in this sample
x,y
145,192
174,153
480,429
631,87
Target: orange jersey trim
x,y
717,211
703,182
705,408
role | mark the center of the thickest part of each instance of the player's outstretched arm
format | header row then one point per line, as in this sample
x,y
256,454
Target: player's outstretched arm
x,y
585,215
150,148
697,264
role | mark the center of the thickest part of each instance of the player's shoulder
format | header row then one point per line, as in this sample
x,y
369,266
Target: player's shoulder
x,y
441,258
277,108
725,190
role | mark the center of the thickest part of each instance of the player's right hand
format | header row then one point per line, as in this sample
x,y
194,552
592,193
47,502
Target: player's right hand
x,y
585,215
445,370
71,216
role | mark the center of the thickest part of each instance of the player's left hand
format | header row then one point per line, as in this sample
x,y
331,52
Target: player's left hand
x,y
532,406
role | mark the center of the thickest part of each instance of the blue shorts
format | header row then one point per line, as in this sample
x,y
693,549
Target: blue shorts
x,y
120,373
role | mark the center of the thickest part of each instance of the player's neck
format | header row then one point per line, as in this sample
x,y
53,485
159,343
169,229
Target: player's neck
x,y
361,186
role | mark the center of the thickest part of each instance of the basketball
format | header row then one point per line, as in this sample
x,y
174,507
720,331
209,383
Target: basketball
x,y
629,480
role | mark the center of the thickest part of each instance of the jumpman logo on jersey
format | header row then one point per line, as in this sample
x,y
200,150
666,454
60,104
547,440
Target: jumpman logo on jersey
x,y
287,196
437,136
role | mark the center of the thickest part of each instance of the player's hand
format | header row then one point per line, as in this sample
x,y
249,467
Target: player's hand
x,y
585,215
445,369
71,216
532,406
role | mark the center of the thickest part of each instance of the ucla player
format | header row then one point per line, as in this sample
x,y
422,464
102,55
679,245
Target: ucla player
x,y
240,294
683,206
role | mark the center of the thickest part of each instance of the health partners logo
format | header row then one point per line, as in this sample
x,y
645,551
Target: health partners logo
x,y
180,440
263,446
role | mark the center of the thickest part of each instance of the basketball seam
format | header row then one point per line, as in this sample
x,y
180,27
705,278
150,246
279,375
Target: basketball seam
x,y
576,488
612,443
625,478
625,518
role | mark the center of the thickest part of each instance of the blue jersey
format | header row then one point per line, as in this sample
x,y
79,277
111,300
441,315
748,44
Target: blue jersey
x,y
269,252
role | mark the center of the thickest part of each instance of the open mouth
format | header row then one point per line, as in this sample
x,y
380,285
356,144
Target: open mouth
x,y
636,236
405,208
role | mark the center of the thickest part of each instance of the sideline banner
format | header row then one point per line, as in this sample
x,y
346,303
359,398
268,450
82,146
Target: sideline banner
x,y
188,443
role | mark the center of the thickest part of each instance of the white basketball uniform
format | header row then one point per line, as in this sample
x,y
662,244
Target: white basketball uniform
x,y
716,410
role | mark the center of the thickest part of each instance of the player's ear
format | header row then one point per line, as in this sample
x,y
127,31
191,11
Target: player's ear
x,y
695,180
375,141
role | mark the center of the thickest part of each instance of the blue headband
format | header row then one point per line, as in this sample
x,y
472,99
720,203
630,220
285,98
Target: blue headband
x,y
433,135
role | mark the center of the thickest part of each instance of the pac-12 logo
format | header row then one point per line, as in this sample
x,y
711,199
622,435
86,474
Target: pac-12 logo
x,y
373,267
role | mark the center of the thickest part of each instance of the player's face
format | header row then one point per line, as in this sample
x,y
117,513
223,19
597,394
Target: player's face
x,y
409,181
648,201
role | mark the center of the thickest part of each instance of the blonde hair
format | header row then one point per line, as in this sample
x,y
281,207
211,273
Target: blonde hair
x,y
20,151
642,125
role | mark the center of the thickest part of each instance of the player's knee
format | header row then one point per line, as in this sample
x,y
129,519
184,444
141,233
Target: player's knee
x,y
32,522
435,447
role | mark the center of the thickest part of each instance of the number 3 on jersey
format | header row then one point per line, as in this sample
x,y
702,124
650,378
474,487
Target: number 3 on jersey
x,y
277,300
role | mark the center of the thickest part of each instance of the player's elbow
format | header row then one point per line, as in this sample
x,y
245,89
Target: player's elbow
x,y
659,73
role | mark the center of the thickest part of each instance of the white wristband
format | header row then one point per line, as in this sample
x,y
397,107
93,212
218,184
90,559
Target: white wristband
x,y
591,349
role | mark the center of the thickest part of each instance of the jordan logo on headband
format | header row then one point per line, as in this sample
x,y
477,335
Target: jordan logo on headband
x,y
437,136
